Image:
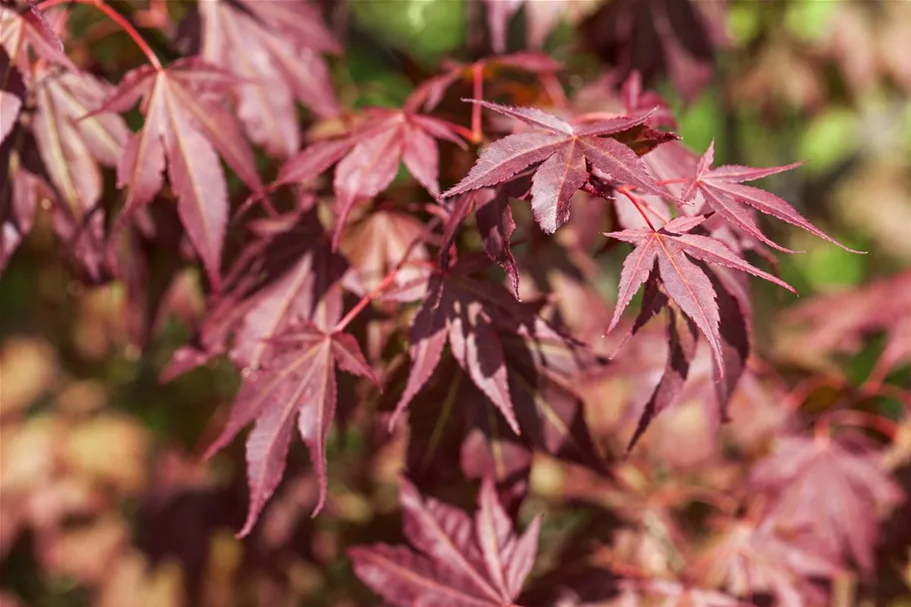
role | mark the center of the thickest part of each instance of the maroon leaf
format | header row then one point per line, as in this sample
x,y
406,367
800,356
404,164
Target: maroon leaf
x,y
720,189
682,349
496,225
747,559
667,250
298,384
461,562
563,151
27,29
369,158
677,37
832,495
184,126
273,47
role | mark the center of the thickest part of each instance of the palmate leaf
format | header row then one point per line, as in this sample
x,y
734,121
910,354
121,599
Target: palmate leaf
x,y
459,562
563,153
369,157
665,253
296,386
185,124
830,497
748,558
721,191
72,150
274,47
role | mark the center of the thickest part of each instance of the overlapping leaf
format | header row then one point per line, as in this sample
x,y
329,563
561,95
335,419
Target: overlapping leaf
x,y
562,156
677,37
185,124
749,559
458,562
721,191
369,158
274,47
829,496
665,253
296,387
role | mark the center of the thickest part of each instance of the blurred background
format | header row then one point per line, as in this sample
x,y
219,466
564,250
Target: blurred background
x,y
103,497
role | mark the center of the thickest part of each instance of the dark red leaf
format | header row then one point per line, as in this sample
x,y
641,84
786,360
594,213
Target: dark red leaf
x,y
460,561
563,150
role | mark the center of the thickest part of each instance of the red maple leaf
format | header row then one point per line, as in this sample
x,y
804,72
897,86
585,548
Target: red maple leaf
x,y
458,562
297,387
677,37
749,559
562,157
274,47
666,253
721,190
830,495
369,157
185,124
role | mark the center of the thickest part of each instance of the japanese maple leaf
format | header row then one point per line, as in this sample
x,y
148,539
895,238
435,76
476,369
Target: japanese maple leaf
x,y
562,154
297,387
840,322
666,253
279,65
831,495
750,559
721,190
667,594
284,275
72,149
374,245
184,126
21,188
27,29
677,37
457,561
369,158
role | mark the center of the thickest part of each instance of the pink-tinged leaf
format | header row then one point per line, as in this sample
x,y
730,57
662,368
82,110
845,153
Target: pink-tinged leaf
x,y
496,225
505,158
365,172
313,160
721,190
554,184
405,579
681,351
563,154
460,562
202,196
9,113
637,267
421,156
619,163
529,115
20,192
747,559
298,382
499,12
686,283
478,351
833,496
27,29
427,339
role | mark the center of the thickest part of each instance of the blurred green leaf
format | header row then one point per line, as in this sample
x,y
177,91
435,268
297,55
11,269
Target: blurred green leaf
x,y
830,138
425,29
808,19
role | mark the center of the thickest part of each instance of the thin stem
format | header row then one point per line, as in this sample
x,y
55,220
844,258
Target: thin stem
x,y
116,18
676,180
388,279
863,419
623,190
